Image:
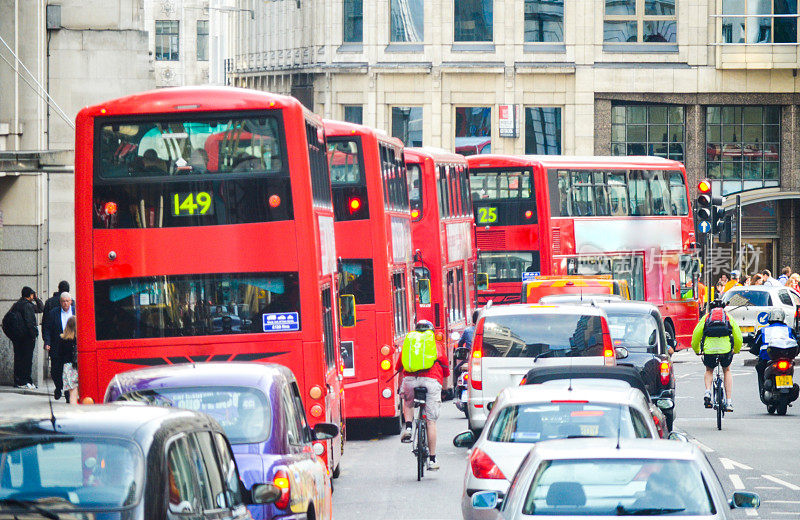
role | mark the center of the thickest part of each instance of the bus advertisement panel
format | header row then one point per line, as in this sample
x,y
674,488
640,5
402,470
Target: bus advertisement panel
x,y
204,233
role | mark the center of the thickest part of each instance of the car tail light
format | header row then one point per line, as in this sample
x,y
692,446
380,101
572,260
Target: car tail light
x,y
523,381
475,359
608,356
660,429
783,364
282,482
483,466
664,373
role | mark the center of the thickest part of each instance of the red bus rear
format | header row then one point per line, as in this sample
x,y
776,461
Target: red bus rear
x,y
511,231
204,232
444,248
373,238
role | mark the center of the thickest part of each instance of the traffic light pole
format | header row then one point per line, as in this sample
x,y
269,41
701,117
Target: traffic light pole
x,y
738,216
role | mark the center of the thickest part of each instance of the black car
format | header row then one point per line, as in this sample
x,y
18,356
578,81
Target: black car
x,y
119,462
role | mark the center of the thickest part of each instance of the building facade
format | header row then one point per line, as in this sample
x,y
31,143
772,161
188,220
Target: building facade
x,y
178,38
712,83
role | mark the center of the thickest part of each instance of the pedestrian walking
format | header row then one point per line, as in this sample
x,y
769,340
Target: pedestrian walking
x,y
19,324
733,282
69,353
720,287
56,323
53,302
785,273
767,279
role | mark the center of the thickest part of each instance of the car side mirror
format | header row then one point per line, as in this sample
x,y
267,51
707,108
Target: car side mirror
x,y
621,352
347,310
484,500
482,281
464,439
678,436
461,353
324,431
454,336
489,406
745,500
264,493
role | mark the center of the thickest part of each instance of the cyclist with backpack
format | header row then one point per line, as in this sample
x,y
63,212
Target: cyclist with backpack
x,y
423,363
717,336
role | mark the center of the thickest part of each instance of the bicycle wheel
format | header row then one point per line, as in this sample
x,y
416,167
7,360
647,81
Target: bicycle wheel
x,y
720,402
422,452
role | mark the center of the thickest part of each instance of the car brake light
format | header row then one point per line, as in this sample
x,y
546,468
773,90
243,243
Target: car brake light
x,y
608,356
524,381
570,401
475,376
783,364
664,373
483,466
282,482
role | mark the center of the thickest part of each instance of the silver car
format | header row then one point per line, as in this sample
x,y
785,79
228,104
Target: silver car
x,y
558,409
598,478
512,339
749,305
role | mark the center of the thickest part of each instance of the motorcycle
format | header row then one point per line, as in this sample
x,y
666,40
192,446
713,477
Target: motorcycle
x,y
779,389
460,398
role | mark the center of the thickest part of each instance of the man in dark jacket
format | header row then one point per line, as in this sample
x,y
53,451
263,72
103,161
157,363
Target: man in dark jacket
x,y
24,345
56,367
52,338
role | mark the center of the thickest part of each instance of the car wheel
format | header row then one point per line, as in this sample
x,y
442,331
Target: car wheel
x,y
669,331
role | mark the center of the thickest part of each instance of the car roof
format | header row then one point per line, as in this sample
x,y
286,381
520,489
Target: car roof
x,y
533,308
625,373
118,420
607,448
628,307
583,298
526,394
251,374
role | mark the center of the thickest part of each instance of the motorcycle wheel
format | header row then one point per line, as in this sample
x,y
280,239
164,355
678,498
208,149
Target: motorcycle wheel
x,y
770,409
783,405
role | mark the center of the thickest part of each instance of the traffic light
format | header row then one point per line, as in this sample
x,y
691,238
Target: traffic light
x,y
717,216
704,206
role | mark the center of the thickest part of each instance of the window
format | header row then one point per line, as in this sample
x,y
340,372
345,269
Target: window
x,y
354,114
407,125
759,21
328,337
202,40
638,332
622,267
229,472
743,146
414,172
208,474
300,414
532,334
353,21
472,20
783,296
294,430
320,175
190,171
648,21
167,40
507,266
503,197
395,181
400,303
184,497
195,305
473,130
543,130
348,183
356,278
648,130
406,21
544,21
422,273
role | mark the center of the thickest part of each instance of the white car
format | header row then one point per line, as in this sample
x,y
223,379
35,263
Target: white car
x,y
560,409
749,305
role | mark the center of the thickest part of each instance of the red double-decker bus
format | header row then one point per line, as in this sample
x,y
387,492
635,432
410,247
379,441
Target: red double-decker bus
x,y
373,240
624,216
204,232
443,239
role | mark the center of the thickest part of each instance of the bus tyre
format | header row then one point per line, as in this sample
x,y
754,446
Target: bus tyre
x,y
669,330
336,472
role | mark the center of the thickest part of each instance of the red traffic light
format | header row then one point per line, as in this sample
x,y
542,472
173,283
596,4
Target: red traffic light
x,y
704,186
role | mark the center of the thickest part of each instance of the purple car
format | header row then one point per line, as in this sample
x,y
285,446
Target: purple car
x,y
259,407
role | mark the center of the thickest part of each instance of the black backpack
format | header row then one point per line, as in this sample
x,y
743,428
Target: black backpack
x,y
717,325
14,324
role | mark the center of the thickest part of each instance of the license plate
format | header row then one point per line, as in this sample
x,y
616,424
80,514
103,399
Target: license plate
x,y
590,429
463,396
748,329
783,381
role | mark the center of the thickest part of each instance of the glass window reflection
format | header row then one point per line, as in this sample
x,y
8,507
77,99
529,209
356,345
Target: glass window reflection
x,y
406,21
544,20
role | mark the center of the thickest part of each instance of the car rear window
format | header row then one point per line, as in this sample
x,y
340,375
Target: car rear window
x,y
747,299
244,413
546,421
638,331
544,335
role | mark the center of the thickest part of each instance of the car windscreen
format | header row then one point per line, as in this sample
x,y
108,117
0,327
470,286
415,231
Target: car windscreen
x,y
637,331
618,487
70,473
543,334
747,298
244,413
536,422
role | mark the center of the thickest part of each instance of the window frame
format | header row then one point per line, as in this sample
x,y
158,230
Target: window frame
x,y
392,28
353,22
202,36
456,29
165,40
640,19
622,145
525,5
746,19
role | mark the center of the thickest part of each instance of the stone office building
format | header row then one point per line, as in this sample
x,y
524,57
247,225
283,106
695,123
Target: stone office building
x,y
712,83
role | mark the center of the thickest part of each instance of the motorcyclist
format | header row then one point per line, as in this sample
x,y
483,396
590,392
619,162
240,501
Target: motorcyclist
x,y
713,347
469,333
777,332
431,378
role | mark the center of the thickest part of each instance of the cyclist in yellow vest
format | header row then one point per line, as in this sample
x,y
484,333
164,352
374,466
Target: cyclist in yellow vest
x,y
423,363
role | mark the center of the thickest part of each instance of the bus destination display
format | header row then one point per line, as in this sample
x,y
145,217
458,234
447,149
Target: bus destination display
x,y
191,204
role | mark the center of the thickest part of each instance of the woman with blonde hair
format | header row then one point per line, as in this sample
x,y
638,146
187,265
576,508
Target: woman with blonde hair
x,y
794,281
69,351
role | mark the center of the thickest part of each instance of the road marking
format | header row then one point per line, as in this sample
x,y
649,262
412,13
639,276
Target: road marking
x,y
703,446
771,488
782,482
731,464
751,512
737,482
783,501
782,513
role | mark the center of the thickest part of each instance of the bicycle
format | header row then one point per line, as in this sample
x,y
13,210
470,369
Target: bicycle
x,y
419,437
718,393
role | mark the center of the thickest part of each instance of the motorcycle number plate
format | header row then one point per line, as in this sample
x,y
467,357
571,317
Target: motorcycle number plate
x,y
783,381
463,396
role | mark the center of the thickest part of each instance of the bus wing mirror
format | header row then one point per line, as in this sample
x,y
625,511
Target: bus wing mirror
x,y
347,310
482,281
424,291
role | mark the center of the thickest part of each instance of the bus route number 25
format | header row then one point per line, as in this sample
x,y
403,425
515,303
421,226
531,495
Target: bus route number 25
x,y
487,215
192,203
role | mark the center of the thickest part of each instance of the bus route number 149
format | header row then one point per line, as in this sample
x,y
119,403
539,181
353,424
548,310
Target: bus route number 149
x,y
487,215
191,204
